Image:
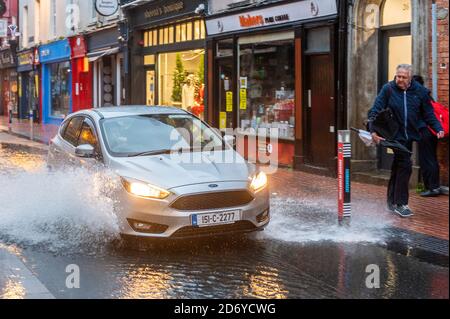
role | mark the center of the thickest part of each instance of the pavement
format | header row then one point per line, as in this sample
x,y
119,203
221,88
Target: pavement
x,y
16,280
425,235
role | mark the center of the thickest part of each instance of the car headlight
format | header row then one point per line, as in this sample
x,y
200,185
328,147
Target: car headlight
x,y
142,189
259,182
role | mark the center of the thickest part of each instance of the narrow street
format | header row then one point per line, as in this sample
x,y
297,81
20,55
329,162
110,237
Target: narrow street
x,y
53,220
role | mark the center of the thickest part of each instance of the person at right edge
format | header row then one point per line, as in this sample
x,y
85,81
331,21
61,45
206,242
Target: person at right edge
x,y
411,107
428,160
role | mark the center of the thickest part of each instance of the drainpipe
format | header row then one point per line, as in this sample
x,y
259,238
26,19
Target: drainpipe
x,y
342,68
434,57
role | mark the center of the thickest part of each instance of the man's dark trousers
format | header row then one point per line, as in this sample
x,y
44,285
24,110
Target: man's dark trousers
x,y
398,189
428,159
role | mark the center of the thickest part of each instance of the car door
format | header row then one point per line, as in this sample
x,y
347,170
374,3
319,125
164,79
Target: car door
x,y
65,143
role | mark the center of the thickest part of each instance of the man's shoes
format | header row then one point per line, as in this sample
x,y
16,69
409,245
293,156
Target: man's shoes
x,y
390,207
433,193
403,210
443,190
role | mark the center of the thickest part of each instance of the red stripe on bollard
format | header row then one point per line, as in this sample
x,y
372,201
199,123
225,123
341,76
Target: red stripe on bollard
x,y
344,175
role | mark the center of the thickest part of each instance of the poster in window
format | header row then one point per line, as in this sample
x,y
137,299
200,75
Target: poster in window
x,y
229,101
243,99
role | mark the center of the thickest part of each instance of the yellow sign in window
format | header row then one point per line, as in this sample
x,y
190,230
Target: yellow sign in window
x,y
229,101
243,99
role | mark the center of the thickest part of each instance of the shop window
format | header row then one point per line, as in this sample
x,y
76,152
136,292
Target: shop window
x,y
396,12
225,48
146,42
171,35
60,89
202,29
155,37
166,35
183,32
267,86
318,40
175,33
161,36
150,39
189,31
197,30
181,80
178,33
149,60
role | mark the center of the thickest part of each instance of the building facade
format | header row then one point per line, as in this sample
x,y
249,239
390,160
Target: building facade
x,y
77,62
9,84
167,53
274,67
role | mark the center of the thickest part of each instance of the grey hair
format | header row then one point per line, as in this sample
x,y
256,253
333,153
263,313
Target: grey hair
x,y
406,67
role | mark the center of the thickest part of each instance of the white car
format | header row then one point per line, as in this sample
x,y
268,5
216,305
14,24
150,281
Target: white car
x,y
177,177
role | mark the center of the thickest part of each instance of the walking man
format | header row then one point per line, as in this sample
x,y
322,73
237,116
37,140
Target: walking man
x,y
410,105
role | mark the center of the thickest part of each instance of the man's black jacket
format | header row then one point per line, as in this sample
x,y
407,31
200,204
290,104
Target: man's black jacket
x,y
412,110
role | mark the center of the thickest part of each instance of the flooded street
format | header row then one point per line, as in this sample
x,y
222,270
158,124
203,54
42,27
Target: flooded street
x,y
54,219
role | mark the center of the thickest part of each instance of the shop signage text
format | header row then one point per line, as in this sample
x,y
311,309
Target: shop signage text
x,y
106,8
274,15
249,21
26,58
164,9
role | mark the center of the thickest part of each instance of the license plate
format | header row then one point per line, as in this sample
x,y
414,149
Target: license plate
x,y
211,219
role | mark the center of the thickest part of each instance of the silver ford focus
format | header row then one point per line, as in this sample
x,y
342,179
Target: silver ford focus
x,y
179,177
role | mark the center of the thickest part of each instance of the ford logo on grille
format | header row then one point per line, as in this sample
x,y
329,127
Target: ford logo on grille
x,y
213,186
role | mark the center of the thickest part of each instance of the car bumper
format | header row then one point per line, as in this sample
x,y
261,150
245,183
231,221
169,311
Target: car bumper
x,y
167,222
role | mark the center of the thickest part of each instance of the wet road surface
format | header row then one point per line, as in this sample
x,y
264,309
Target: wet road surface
x,y
56,220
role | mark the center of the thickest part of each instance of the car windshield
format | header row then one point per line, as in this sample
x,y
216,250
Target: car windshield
x,y
157,134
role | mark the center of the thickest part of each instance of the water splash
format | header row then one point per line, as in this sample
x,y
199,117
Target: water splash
x,y
66,211
315,220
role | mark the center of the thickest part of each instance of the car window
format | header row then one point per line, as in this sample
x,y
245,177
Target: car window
x,y
72,131
87,135
142,133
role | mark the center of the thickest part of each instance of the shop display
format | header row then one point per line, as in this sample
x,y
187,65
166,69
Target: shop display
x,y
267,95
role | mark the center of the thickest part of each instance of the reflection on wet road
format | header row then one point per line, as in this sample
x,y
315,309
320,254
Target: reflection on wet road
x,y
303,254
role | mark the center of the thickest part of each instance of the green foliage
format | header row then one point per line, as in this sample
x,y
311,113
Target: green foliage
x,y
179,77
201,69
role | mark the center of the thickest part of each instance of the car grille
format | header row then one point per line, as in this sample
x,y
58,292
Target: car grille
x,y
212,200
190,231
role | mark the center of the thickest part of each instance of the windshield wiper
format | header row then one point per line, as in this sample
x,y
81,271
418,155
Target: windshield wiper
x,y
149,153
167,151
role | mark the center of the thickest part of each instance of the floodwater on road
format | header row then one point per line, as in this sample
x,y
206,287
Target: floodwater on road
x,y
56,219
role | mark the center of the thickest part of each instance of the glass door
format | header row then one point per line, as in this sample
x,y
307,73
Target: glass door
x,y
226,96
150,99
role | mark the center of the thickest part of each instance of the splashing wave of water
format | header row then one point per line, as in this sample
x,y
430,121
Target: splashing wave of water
x,y
308,220
59,211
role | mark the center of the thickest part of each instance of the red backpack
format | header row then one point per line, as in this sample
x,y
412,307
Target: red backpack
x,y
441,113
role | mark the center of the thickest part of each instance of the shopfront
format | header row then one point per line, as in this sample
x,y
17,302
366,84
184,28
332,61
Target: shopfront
x,y
107,65
272,73
56,81
28,85
81,75
9,84
168,55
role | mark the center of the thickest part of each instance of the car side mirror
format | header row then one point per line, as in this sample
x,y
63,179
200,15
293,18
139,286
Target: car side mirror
x,y
85,151
230,139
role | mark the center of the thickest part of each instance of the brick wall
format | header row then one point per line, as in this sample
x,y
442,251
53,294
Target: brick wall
x,y
443,78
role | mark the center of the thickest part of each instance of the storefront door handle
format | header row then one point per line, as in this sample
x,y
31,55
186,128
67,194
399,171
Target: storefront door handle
x,y
309,99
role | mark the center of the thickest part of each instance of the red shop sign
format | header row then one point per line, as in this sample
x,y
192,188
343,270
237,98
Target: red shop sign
x,y
78,46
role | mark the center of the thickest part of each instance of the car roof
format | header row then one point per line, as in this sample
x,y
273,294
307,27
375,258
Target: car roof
x,y
121,111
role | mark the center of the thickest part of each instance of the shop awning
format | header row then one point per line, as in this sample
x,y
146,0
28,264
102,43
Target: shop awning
x,y
94,56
